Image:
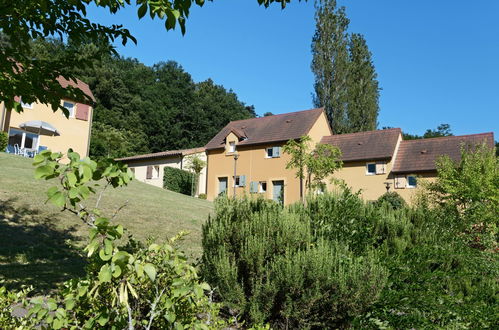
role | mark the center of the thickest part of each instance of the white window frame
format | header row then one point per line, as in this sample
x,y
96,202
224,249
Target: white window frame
x,y
232,146
236,180
72,111
367,168
272,150
260,187
407,181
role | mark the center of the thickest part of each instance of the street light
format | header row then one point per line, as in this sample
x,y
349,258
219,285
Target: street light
x,y
387,186
236,156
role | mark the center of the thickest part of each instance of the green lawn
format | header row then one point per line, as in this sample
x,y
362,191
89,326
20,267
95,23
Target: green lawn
x,y
40,245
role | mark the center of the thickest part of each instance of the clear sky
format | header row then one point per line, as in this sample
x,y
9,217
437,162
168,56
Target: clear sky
x,y
437,61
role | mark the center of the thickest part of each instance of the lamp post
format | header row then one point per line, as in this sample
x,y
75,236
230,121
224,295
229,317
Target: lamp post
x,y
236,156
387,186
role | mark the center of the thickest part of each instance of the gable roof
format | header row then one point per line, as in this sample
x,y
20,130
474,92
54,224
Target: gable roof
x,y
371,145
163,154
78,84
276,128
421,155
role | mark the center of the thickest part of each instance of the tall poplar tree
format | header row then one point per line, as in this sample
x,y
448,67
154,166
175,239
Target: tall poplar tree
x,y
330,62
362,87
345,77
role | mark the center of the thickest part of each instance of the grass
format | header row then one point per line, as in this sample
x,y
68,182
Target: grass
x,y
41,246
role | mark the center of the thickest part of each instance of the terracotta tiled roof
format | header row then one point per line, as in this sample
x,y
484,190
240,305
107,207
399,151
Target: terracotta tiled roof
x,y
421,155
165,154
79,84
371,145
276,128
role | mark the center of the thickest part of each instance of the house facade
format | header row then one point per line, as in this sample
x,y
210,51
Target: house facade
x,y
149,168
73,132
246,158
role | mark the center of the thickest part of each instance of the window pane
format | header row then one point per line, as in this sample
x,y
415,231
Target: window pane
x,y
412,181
371,168
270,152
70,107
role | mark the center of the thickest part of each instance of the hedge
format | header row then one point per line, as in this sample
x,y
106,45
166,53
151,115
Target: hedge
x,y
178,180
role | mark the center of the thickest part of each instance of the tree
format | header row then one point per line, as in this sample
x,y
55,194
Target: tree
x,y
268,113
363,90
345,78
313,165
330,62
196,165
442,130
23,74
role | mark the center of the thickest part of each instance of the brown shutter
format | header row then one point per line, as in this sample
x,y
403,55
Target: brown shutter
x,y
82,111
149,172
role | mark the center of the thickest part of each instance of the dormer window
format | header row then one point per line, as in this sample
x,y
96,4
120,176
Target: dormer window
x,y
232,146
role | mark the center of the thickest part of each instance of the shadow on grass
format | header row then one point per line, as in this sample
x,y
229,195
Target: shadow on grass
x,y
33,251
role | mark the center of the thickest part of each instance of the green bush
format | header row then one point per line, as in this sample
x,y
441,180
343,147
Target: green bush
x,y
202,196
268,266
178,180
393,199
4,141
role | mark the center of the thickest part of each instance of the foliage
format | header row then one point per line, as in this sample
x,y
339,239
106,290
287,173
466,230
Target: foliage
x,y
441,131
4,141
268,266
195,164
314,165
469,190
20,22
345,77
202,196
178,180
12,304
393,199
126,286
109,142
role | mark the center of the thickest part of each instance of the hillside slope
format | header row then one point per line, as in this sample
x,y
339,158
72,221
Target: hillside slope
x,y
37,241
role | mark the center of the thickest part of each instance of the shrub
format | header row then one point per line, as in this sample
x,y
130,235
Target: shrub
x,y
178,180
4,141
132,286
393,199
202,196
268,266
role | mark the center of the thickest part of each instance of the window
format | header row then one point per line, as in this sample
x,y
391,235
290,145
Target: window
x,y
155,173
70,107
371,169
232,146
273,152
240,180
262,186
26,105
412,181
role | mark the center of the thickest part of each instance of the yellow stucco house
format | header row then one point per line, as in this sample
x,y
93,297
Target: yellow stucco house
x,y
245,157
54,130
149,168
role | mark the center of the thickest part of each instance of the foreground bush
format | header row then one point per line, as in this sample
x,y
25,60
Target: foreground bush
x,y
393,199
268,266
4,141
130,286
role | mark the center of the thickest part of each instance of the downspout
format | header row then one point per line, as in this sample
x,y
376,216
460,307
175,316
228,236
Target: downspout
x,y
90,129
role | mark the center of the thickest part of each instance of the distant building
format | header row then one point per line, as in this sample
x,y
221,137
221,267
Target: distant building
x,y
73,132
149,168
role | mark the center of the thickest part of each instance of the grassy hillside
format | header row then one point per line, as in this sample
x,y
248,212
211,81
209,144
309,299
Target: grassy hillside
x,y
38,242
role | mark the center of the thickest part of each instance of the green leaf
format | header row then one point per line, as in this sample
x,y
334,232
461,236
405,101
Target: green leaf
x,y
104,256
38,159
142,10
150,271
84,192
51,304
105,274
139,269
71,179
117,271
43,171
58,199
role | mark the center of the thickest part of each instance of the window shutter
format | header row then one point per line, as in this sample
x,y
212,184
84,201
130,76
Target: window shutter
x,y
400,182
276,151
380,167
82,111
149,172
242,180
253,187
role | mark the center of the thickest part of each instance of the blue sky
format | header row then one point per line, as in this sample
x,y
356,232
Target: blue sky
x,y
437,61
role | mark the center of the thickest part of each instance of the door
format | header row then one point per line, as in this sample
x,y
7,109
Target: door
x,y
222,185
278,191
